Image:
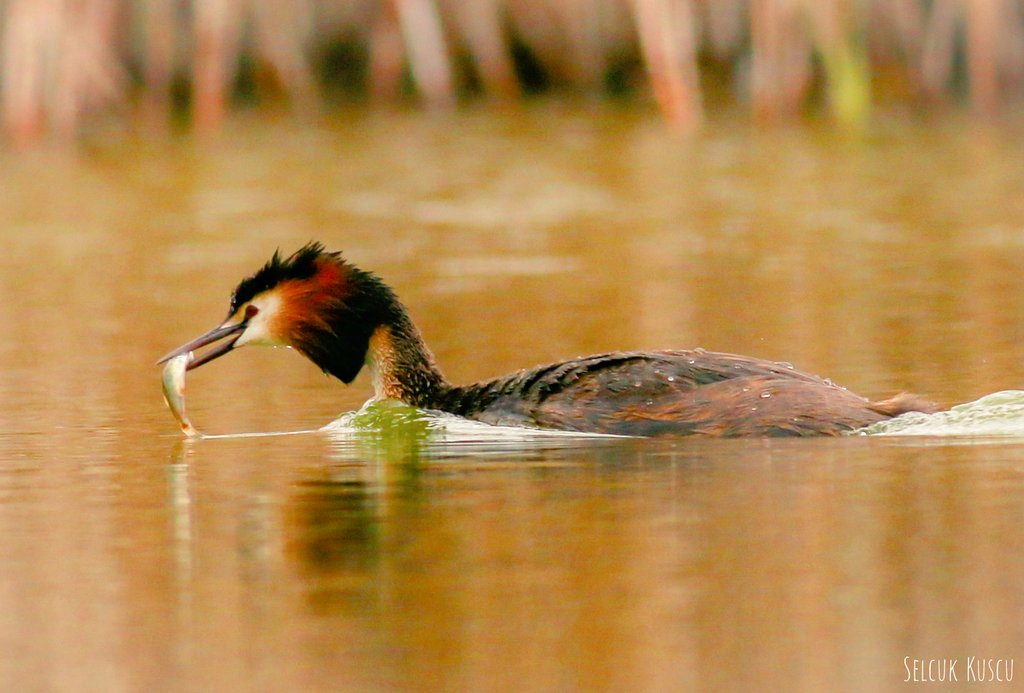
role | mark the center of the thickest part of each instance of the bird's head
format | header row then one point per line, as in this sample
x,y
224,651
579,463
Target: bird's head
x,y
314,301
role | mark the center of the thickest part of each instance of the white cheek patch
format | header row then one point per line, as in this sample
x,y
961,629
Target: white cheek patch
x,y
259,330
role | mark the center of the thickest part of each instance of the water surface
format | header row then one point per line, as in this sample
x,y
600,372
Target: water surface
x,y
389,557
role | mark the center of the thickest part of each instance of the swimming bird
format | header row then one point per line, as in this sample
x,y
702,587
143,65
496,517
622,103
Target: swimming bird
x,y
342,318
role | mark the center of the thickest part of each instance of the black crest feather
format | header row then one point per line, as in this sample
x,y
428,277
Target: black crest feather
x,y
299,265
336,335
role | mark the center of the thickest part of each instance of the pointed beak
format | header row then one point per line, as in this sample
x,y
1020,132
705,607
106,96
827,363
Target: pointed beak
x,y
229,332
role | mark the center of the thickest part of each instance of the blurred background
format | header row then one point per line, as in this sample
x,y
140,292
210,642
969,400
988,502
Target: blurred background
x,y
70,65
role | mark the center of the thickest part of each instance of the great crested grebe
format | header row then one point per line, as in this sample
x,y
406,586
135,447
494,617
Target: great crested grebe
x,y
341,317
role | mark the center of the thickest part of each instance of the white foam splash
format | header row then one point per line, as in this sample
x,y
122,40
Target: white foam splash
x,y
997,414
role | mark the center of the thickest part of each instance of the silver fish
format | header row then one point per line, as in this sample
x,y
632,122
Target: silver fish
x,y
174,392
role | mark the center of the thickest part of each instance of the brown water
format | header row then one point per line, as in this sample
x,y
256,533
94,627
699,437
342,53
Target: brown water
x,y
390,558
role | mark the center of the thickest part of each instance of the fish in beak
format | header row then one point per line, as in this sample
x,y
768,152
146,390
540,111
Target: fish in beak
x,y
230,332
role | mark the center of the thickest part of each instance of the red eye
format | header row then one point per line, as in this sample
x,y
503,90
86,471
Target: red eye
x,y
250,311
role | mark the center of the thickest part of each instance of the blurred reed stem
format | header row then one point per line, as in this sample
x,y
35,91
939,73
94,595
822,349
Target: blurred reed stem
x,y
63,63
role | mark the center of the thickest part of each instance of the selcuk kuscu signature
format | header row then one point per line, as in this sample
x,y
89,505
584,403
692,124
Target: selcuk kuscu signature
x,y
947,670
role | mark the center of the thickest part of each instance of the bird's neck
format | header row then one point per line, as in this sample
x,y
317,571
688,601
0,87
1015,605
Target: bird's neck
x,y
402,366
